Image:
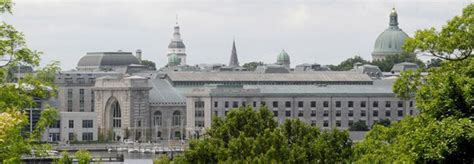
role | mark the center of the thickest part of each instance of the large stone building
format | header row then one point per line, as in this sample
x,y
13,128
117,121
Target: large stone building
x,y
110,95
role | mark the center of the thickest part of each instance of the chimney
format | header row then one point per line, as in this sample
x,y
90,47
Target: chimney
x,y
138,53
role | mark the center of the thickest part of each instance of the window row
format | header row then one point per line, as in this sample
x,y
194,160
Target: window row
x,y
312,104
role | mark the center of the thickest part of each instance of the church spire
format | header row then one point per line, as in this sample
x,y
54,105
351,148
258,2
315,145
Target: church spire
x,y
234,61
393,18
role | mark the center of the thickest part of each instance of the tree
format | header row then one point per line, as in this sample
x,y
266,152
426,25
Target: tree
x,y
443,132
359,126
383,122
348,64
249,136
387,64
252,65
83,157
151,65
65,158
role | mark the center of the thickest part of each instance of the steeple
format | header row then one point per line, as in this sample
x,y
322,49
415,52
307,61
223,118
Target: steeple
x,y
234,61
393,18
176,45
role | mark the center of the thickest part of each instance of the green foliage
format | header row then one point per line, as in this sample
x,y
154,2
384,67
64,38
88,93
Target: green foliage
x,y
455,41
249,136
383,122
163,159
387,64
151,65
83,157
348,64
252,65
65,158
359,126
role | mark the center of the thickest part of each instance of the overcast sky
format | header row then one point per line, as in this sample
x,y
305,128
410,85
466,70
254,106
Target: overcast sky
x,y
324,32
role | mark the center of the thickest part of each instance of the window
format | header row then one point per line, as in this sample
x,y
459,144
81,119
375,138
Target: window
x,y
87,136
350,104
92,101
325,123
313,122
338,104
71,123
116,115
69,100
375,104
263,103
300,113
226,104
400,113
275,113
288,113
139,123
313,104
351,113
376,113
81,100
326,104
326,113
362,113
235,104
54,137
313,113
244,104
254,104
387,113
71,137
81,80
199,104
87,124
57,124
199,124
400,104
411,112
92,80
300,104
68,80
275,104
216,104
350,123
411,104
387,104
215,113
199,113
362,104
176,118
288,104
338,123
158,134
338,113
157,121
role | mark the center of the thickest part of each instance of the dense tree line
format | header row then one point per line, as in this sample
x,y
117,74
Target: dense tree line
x,y
384,65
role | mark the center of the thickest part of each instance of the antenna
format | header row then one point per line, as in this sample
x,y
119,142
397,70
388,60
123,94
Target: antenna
x,y
176,19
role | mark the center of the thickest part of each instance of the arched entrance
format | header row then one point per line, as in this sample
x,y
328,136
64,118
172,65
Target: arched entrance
x,y
114,115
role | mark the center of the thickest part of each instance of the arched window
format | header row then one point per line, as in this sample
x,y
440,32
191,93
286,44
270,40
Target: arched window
x,y
176,118
157,118
116,115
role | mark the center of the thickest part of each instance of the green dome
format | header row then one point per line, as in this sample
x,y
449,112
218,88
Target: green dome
x,y
173,60
391,40
283,57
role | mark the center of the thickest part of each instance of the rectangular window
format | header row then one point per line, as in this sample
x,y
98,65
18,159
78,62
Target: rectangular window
x,y
71,123
400,104
376,113
87,136
313,113
375,104
388,113
275,104
275,113
226,104
92,101
313,104
411,112
199,124
69,100
338,104
387,104
244,104
235,104
254,104
263,103
362,113
351,113
300,113
350,104
411,104
71,137
216,104
199,113
288,104
81,80
400,113
288,113
325,123
215,113
300,104
54,137
313,122
92,80
326,113
326,104
81,100
350,123
338,123
57,124
68,80
87,124
338,113
199,104
362,104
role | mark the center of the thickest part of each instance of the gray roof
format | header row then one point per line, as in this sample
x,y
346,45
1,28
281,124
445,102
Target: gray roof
x,y
270,77
270,68
404,66
176,44
162,92
98,59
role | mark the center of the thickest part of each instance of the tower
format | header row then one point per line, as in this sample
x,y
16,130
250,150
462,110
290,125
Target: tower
x,y
283,59
234,61
391,40
176,45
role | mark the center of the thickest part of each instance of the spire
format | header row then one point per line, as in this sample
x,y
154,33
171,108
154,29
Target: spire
x,y
393,18
234,61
